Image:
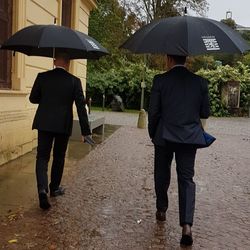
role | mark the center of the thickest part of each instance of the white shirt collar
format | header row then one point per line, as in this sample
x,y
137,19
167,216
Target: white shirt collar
x,y
178,65
59,67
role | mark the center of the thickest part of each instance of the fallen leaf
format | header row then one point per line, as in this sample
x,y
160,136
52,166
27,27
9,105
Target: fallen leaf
x,y
12,241
12,217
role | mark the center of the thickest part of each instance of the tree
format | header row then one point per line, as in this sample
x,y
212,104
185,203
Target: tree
x,y
230,22
106,26
110,25
149,10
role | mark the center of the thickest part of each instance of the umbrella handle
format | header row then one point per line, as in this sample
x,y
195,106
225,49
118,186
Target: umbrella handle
x,y
185,11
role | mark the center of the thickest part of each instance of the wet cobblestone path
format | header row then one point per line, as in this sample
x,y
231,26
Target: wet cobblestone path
x,y
110,203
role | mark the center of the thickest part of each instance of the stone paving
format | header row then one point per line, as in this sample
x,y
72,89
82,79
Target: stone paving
x,y
110,201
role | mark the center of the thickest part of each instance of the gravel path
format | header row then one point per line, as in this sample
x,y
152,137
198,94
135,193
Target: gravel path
x,y
110,203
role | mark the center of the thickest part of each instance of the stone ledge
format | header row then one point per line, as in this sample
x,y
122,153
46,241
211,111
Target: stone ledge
x,y
95,122
13,92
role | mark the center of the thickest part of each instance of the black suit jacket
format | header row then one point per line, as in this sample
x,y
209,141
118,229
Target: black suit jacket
x,y
55,91
178,100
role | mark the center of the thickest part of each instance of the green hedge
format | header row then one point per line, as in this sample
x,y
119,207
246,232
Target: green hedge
x,y
220,76
124,81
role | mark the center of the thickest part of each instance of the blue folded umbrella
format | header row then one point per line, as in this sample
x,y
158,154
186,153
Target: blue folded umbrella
x,y
209,139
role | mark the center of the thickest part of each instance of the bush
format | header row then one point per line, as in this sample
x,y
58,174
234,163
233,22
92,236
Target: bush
x,y
124,81
220,76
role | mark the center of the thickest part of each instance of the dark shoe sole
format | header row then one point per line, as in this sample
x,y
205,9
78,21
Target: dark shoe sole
x,y
186,240
43,201
58,192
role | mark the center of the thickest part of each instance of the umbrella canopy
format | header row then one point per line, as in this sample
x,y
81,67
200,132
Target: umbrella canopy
x,y
42,40
186,35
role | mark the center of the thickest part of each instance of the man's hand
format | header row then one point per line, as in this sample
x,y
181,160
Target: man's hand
x,y
88,139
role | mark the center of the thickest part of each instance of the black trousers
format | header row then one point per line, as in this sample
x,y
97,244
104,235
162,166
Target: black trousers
x,y
185,159
45,142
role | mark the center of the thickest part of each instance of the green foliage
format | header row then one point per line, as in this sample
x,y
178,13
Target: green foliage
x,y
113,21
246,59
228,59
244,71
230,22
246,35
106,26
124,81
195,63
219,77
121,73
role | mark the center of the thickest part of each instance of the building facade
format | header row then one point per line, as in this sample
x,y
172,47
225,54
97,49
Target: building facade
x,y
18,72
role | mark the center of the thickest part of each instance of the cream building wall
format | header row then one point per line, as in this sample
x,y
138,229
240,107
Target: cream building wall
x,y
16,112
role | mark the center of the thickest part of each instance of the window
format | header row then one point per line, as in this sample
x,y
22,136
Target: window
x,y
66,13
5,32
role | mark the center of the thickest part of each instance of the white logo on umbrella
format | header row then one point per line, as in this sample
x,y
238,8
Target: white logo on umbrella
x,y
211,43
92,44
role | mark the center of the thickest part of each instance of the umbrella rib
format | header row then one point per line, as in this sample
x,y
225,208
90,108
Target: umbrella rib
x,y
232,31
154,25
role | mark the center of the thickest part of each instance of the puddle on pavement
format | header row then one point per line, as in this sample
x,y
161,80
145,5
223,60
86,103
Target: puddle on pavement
x,y
17,178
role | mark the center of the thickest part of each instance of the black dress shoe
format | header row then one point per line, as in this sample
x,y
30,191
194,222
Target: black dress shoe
x,y
186,239
43,201
160,216
57,192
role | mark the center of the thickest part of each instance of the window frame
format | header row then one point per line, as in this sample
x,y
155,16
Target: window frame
x,y
6,56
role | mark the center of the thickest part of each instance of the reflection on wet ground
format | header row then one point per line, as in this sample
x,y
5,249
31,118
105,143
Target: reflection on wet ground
x,y
17,178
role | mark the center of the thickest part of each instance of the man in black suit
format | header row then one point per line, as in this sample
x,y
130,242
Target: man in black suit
x,y
55,91
179,99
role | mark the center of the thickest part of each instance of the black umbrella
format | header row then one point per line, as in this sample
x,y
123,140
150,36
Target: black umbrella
x,y
42,40
186,35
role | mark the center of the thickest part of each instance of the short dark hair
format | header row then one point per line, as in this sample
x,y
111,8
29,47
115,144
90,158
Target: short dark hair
x,y
59,53
178,59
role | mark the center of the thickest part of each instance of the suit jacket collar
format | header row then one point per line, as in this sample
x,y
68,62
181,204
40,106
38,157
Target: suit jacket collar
x,y
179,68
